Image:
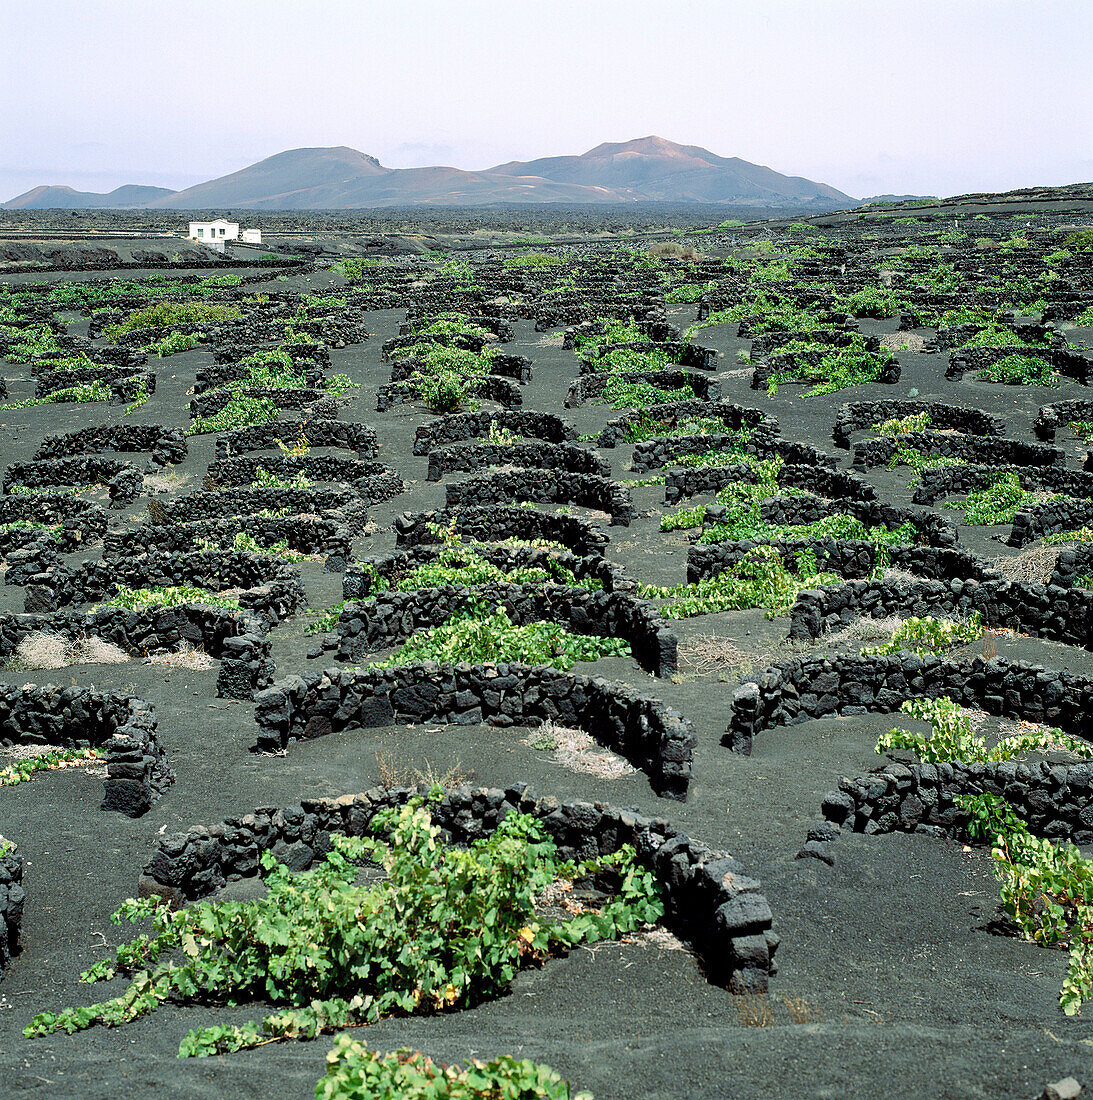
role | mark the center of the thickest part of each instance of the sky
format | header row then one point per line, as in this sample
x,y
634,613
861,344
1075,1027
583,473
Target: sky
x,y
872,97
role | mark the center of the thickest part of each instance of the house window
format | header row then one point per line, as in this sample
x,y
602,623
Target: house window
x,y
200,232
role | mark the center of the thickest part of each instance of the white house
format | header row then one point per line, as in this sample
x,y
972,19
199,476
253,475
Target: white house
x,y
251,236
219,230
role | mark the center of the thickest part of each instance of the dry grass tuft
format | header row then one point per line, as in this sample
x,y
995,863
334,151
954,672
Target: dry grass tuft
x,y
705,654
93,650
673,250
41,650
1032,566
393,773
165,481
800,1011
578,751
186,656
864,631
663,940
902,341
46,650
753,1010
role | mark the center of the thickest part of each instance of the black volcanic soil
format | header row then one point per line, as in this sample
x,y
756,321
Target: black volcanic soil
x,y
894,978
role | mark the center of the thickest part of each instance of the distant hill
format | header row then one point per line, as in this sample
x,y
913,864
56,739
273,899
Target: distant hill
x,y
653,169
648,169
899,198
127,196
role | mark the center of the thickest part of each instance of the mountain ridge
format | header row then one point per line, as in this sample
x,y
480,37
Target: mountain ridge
x,y
649,169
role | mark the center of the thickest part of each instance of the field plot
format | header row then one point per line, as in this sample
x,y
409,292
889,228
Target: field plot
x,y
666,662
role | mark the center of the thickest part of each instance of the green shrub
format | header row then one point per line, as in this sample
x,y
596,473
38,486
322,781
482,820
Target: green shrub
x,y
240,412
759,579
1020,370
532,259
840,368
872,301
929,635
353,1071
480,635
169,314
173,343
23,771
137,599
446,928
953,739
999,501
85,391
914,422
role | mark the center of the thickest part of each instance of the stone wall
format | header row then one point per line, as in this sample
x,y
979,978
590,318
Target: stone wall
x,y
311,535
123,726
734,417
945,480
271,586
709,898
496,524
360,580
1055,797
861,415
1072,562
318,403
359,438
123,480
564,457
972,448
387,619
12,897
931,528
167,445
653,737
545,487
1058,415
81,522
244,502
238,639
677,351
1044,611
374,482
491,387
854,559
457,427
1070,364
683,482
220,373
124,382
590,386
802,689
1048,518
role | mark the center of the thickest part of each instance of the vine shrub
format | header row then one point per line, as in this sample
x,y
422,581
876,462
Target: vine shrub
x,y
1001,499
952,737
353,1071
482,636
137,599
759,579
240,412
839,368
1046,889
929,635
447,928
1020,370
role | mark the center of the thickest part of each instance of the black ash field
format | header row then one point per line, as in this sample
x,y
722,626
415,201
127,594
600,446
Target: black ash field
x,y
862,373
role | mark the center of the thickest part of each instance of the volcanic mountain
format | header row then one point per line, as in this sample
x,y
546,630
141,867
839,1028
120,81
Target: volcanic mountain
x,y
647,169
56,197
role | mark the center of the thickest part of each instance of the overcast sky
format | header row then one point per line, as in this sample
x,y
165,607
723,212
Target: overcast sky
x,y
924,96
